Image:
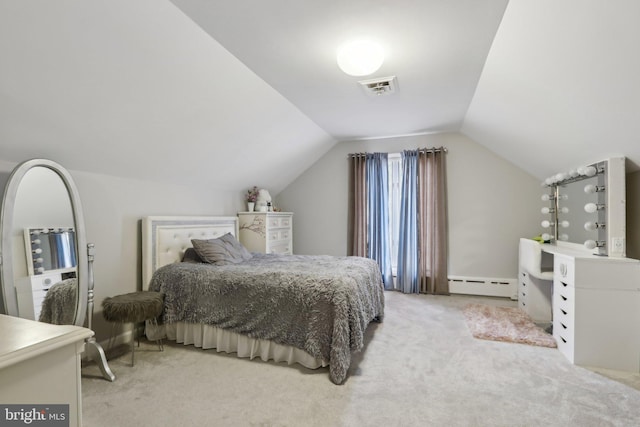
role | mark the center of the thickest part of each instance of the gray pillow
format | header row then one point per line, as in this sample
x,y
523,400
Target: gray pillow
x,y
224,250
237,246
190,255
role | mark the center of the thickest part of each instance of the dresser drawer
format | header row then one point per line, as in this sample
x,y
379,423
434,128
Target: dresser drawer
x,y
563,296
44,281
275,222
564,316
285,222
284,234
564,340
563,320
283,248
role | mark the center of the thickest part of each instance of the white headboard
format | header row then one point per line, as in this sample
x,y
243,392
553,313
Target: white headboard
x,y
166,238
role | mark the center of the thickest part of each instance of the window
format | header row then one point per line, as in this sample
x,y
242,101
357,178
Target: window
x,y
395,183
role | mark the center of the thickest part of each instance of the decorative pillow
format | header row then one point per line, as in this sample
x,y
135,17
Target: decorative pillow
x,y
190,255
221,251
237,246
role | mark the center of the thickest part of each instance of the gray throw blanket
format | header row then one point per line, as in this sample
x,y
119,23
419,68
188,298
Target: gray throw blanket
x,y
320,304
59,304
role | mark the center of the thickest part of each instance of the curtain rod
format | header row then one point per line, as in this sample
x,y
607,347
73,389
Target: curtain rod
x,y
422,150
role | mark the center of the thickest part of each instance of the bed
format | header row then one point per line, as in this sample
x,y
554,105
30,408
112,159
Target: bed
x,y
311,310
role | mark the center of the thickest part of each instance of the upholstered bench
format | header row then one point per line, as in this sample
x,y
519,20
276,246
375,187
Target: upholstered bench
x,y
135,307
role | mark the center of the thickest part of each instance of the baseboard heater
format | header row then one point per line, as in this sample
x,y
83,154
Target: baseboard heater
x,y
484,286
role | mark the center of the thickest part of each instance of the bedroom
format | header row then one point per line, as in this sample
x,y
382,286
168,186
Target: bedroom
x,y
150,113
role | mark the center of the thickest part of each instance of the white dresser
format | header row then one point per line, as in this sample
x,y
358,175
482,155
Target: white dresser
x,y
40,364
31,290
266,232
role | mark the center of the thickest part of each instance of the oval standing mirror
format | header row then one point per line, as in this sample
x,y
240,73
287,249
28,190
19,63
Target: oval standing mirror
x,y
44,266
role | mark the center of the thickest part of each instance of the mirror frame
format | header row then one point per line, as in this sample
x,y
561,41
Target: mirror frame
x,y
6,227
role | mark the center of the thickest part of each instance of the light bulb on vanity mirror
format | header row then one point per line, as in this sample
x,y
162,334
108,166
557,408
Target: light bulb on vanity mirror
x,y
592,207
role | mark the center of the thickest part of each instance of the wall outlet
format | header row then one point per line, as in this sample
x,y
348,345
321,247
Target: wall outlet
x,y
617,244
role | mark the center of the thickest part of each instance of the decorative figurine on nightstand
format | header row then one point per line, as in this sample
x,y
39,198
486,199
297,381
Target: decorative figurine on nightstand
x,y
263,200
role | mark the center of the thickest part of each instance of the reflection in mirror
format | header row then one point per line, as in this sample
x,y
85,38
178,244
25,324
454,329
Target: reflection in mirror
x,y
571,201
50,249
41,200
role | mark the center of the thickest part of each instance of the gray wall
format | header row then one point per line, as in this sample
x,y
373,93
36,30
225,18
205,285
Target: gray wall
x,y
492,203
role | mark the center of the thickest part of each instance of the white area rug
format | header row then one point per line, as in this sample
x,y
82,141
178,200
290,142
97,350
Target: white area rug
x,y
505,324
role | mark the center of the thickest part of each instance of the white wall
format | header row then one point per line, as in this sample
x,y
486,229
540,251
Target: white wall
x,y
492,203
113,208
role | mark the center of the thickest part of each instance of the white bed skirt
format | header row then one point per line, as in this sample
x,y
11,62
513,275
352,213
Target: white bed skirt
x,y
207,337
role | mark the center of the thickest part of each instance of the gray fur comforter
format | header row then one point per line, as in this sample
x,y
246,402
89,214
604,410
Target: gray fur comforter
x,y
320,304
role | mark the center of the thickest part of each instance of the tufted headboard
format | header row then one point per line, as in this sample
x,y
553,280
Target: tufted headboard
x,y
165,238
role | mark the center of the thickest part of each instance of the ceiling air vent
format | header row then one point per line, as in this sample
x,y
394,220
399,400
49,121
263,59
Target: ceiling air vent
x,y
380,86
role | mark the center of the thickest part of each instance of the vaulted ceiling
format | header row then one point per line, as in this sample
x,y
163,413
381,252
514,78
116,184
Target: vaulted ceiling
x,y
229,93
435,49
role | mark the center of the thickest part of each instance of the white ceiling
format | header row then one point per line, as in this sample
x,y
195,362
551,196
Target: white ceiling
x,y
229,94
436,49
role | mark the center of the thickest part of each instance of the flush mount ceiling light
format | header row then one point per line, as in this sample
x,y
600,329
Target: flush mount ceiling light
x,y
360,58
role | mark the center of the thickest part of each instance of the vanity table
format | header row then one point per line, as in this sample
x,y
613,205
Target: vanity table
x,y
40,364
595,304
581,280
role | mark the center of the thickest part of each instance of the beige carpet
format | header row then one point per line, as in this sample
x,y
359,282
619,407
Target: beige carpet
x,y
509,324
421,367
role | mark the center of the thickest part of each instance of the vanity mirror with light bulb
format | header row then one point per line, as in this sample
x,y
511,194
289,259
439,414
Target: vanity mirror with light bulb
x,y
585,208
582,285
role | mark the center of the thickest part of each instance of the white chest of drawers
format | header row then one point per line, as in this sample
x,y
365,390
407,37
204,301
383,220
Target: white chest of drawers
x,y
266,232
30,292
596,311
